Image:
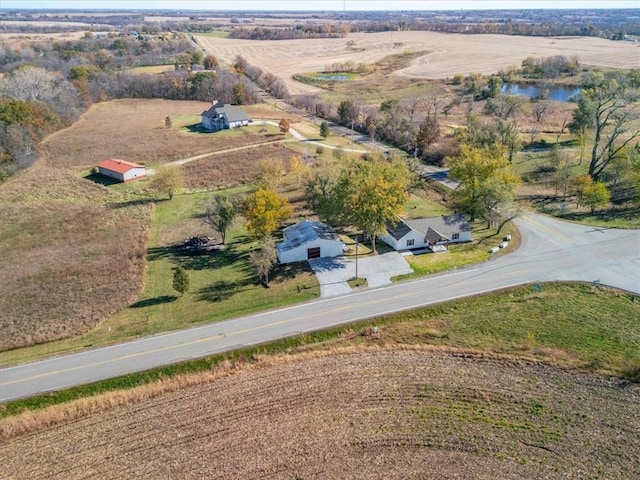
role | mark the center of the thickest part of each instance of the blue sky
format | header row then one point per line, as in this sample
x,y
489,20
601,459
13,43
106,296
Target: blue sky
x,y
338,5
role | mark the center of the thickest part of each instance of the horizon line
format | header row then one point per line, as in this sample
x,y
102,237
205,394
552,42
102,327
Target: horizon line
x,y
101,9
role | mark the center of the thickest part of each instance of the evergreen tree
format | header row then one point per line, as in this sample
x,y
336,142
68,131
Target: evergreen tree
x,y
180,280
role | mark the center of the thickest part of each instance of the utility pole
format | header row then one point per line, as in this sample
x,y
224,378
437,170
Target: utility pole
x,y
357,244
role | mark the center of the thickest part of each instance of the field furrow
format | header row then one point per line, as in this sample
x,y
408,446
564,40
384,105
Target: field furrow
x,y
372,414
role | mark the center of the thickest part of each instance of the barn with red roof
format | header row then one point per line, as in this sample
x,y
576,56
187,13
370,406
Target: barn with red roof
x,y
121,170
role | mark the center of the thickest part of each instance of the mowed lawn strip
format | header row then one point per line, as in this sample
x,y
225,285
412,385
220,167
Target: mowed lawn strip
x,y
222,285
570,325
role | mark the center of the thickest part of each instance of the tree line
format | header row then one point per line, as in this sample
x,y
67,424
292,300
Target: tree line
x,y
60,80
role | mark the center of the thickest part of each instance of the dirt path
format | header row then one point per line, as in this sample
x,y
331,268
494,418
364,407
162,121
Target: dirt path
x,y
297,137
359,414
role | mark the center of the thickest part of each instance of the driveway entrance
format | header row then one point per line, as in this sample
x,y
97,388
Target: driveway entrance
x,y
333,273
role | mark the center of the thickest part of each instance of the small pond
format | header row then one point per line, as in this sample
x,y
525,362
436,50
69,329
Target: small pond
x,y
559,94
332,78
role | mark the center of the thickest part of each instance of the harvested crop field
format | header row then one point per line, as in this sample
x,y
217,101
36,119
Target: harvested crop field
x,y
449,54
134,130
355,413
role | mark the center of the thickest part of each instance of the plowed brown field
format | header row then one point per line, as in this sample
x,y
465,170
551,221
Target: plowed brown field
x,y
363,414
449,54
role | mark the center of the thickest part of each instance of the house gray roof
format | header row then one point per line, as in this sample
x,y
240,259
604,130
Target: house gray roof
x,y
398,230
430,228
434,237
304,232
233,113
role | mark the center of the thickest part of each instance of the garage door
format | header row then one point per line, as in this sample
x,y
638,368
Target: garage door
x,y
313,253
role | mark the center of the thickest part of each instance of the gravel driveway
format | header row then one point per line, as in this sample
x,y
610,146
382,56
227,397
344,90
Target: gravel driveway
x,y
333,273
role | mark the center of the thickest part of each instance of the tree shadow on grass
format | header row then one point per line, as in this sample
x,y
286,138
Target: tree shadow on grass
x,y
134,202
149,302
603,215
231,255
289,271
157,253
222,290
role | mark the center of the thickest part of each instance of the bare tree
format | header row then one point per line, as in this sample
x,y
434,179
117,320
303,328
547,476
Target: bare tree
x,y
264,258
540,109
221,214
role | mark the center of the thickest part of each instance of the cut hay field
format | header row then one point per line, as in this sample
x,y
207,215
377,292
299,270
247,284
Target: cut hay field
x,y
134,130
449,54
363,413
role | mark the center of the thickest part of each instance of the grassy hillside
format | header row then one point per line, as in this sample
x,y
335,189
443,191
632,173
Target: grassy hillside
x,y
71,253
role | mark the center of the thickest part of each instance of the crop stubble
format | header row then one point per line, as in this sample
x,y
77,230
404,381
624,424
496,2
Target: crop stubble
x,y
413,413
449,54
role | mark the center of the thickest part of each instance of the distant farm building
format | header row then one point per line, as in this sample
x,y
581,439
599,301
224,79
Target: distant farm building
x,y
121,170
307,240
427,232
223,116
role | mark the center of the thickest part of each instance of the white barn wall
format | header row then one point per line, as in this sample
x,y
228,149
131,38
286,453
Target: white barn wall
x,y
111,174
328,248
134,174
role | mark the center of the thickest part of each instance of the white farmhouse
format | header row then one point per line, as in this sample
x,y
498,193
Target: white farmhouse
x,y
427,232
307,240
121,170
223,116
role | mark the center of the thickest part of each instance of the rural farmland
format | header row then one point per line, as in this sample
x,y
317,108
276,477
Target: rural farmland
x,y
355,413
475,317
445,54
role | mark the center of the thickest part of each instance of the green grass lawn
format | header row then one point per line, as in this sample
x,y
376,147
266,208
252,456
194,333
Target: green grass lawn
x,y
463,254
568,324
607,218
418,206
223,285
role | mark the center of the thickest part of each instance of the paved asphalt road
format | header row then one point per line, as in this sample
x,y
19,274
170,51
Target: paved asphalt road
x,y
551,250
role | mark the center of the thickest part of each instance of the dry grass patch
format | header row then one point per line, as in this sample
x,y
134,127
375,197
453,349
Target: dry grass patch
x,y
134,129
232,168
69,255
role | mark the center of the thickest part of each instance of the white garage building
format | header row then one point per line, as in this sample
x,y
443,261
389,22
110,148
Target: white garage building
x,y
307,240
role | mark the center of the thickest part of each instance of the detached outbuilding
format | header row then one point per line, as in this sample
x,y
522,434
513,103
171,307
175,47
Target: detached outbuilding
x,y
121,170
307,240
427,232
223,116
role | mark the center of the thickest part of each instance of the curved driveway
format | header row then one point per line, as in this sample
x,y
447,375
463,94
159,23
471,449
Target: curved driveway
x,y
551,250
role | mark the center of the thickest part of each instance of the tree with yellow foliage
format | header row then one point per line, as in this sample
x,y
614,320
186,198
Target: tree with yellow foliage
x,y
596,195
167,179
487,181
376,191
264,211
